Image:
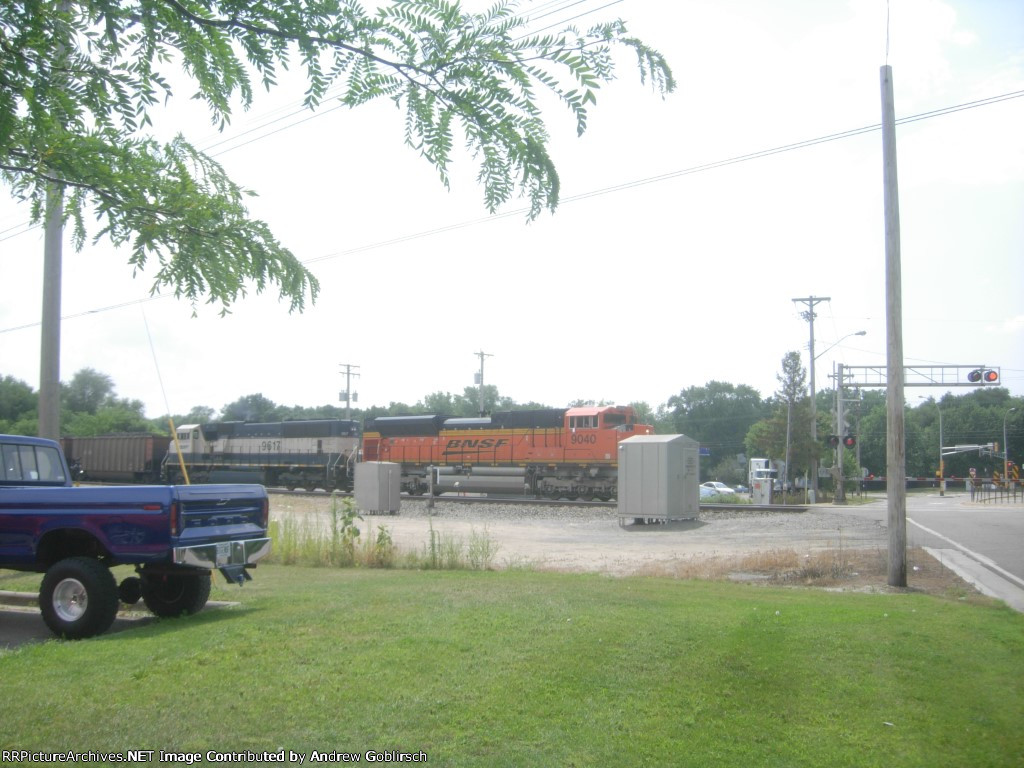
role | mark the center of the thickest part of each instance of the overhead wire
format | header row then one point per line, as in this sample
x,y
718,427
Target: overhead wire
x,y
598,192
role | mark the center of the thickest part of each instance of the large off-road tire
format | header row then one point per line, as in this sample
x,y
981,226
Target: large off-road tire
x,y
176,594
78,598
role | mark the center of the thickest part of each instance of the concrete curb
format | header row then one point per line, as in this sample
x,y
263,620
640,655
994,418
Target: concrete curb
x,y
980,577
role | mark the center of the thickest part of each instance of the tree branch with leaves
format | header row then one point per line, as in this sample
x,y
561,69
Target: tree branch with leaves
x,y
79,82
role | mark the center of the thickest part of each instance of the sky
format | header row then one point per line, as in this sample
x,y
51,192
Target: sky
x,y
663,268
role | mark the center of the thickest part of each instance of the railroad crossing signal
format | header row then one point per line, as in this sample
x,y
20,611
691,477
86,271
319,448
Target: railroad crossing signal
x,y
849,441
983,376
925,376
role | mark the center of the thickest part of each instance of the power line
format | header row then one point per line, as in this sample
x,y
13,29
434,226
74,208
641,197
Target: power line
x,y
603,191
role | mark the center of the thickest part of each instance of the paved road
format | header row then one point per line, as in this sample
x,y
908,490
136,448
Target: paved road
x,y
21,622
983,542
20,625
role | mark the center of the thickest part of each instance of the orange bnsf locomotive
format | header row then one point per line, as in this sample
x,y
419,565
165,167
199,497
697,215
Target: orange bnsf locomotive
x,y
553,453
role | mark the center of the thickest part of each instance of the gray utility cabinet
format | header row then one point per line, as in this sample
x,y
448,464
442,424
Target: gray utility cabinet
x,y
378,486
659,478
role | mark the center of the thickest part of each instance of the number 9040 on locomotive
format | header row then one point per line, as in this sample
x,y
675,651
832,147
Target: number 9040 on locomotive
x,y
554,453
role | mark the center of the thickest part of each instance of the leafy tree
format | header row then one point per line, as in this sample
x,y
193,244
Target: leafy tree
x,y
975,418
871,435
17,401
793,381
644,413
439,402
251,408
729,470
718,415
87,391
200,414
109,419
80,80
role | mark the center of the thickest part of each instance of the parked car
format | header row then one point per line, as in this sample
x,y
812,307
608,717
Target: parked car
x,y
717,487
706,493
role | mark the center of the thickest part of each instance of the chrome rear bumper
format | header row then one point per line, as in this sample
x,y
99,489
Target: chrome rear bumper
x,y
223,553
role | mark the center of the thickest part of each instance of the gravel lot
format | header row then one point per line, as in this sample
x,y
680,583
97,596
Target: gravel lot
x,y
822,546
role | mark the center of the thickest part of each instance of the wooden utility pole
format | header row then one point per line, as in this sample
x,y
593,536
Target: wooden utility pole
x,y
53,255
480,380
811,302
348,396
895,439
49,347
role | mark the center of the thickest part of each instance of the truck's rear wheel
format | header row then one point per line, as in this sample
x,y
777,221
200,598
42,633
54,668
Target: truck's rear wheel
x,y
175,594
78,598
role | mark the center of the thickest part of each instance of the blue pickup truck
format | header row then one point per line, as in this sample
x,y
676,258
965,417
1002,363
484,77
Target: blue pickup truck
x,y
175,536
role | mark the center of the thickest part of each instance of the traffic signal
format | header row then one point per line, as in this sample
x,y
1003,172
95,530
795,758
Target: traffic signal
x,y
849,441
983,375
833,441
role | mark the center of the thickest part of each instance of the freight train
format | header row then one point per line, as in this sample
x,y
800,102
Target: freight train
x,y
552,452
310,454
129,458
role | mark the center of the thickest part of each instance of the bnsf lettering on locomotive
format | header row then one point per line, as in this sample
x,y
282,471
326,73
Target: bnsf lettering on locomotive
x,y
487,442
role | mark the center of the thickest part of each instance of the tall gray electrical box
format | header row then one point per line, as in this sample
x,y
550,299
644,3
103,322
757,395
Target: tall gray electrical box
x,y
659,478
378,486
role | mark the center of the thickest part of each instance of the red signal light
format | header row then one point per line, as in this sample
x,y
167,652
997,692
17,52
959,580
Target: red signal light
x,y
983,376
849,441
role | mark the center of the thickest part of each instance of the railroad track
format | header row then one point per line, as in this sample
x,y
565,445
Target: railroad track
x,y
527,501
535,502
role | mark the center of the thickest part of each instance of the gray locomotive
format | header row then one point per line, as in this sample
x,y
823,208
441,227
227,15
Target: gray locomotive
x,y
309,454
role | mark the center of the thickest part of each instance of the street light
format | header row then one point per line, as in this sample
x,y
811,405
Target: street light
x,y
1006,451
837,343
942,482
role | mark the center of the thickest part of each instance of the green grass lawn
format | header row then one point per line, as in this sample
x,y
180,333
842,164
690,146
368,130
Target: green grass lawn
x,y
522,668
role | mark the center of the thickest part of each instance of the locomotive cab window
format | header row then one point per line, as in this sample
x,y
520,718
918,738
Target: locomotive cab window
x,y
583,422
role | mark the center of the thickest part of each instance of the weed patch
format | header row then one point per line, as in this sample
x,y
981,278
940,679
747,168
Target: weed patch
x,y
310,540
